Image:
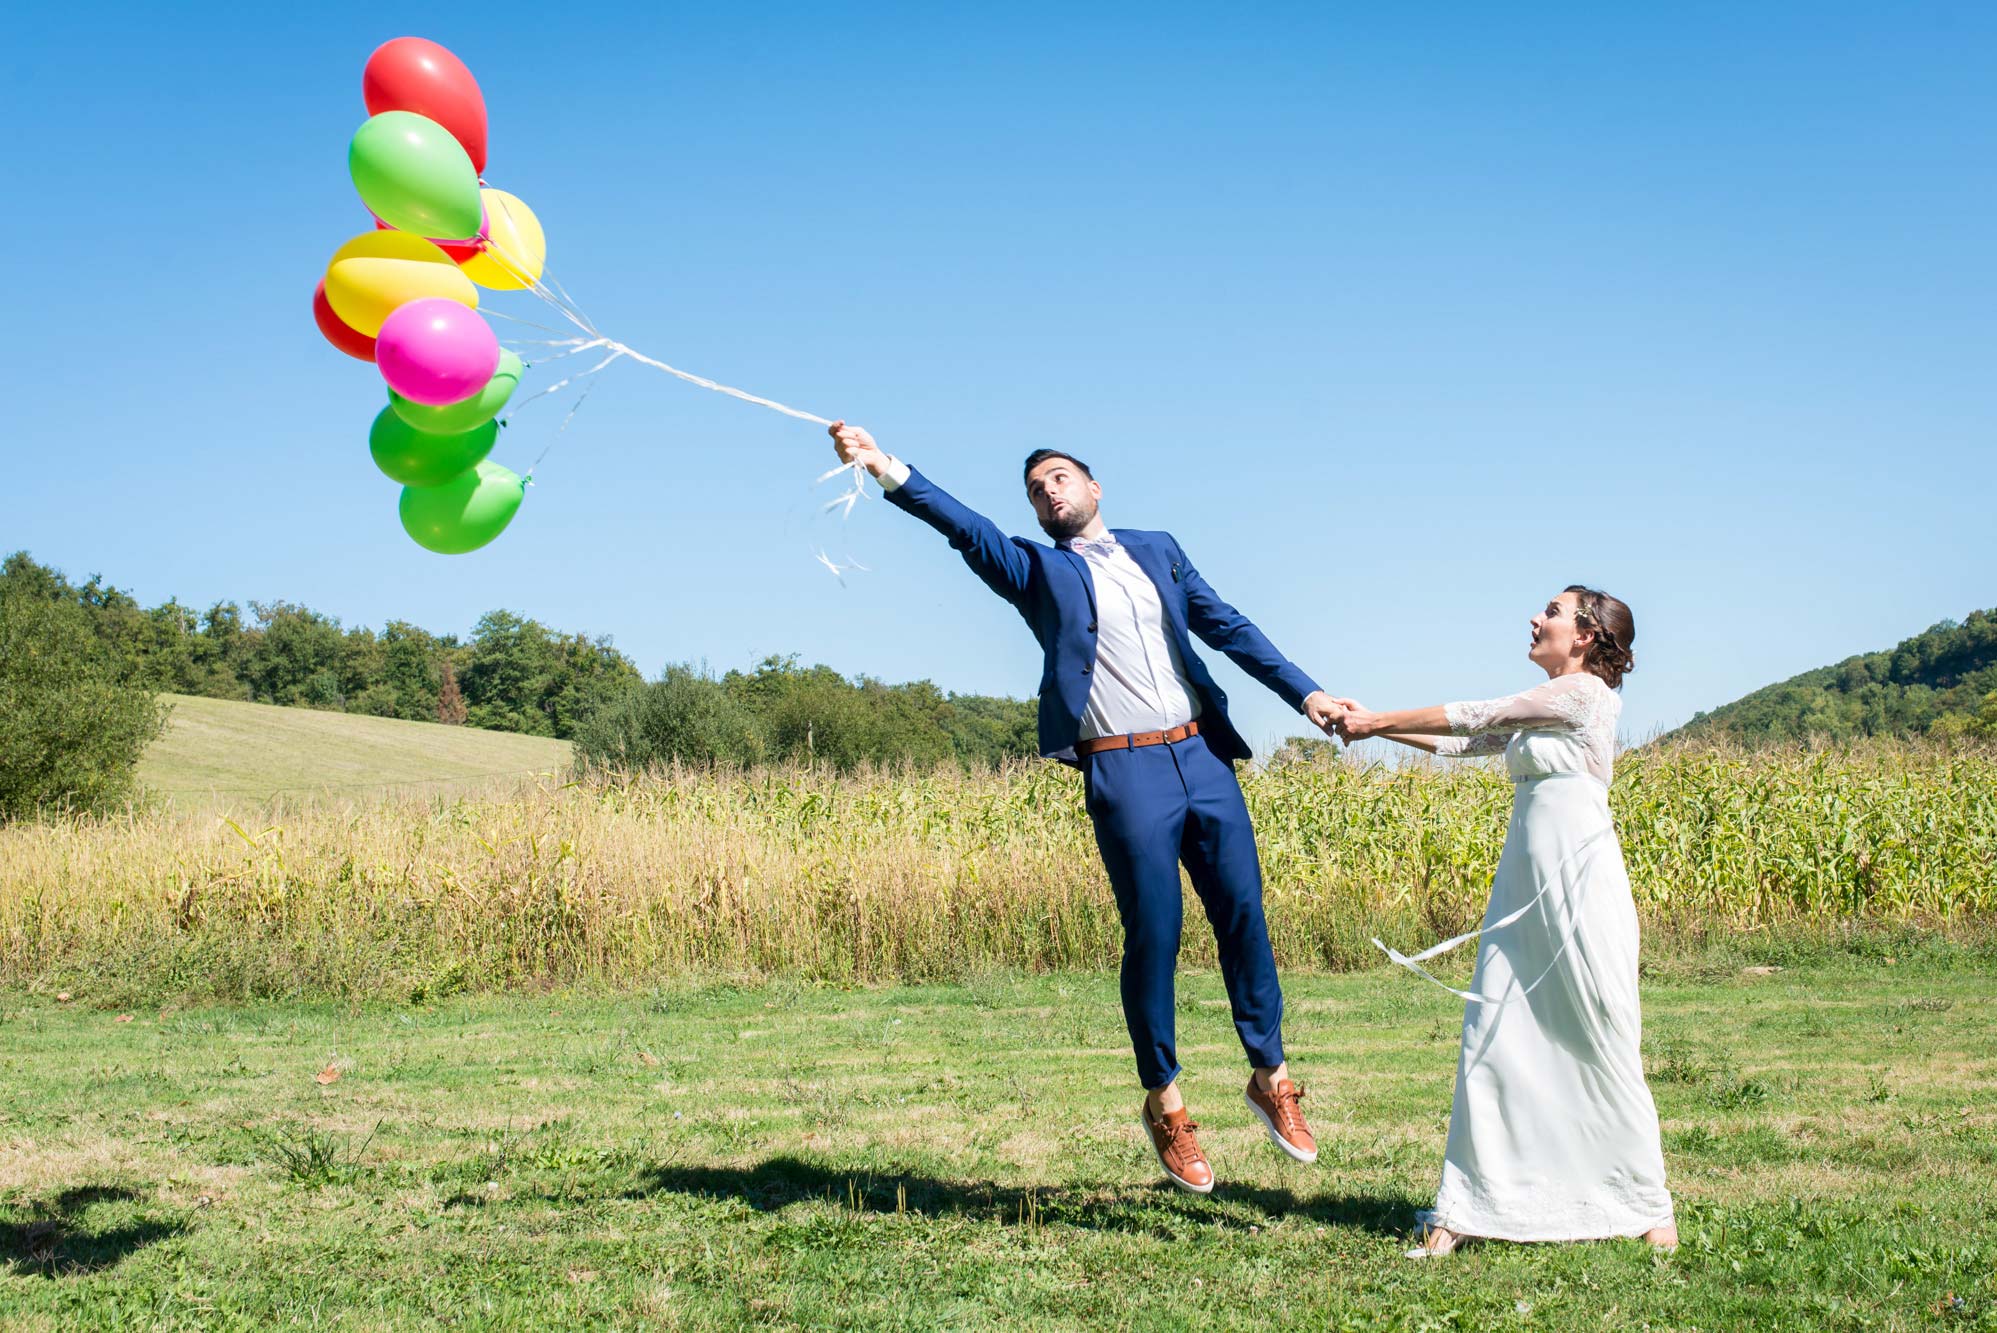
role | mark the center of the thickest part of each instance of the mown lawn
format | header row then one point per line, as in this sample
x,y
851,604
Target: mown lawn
x,y
962,1156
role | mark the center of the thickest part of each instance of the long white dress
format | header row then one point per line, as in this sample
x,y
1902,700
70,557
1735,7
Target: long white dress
x,y
1553,1135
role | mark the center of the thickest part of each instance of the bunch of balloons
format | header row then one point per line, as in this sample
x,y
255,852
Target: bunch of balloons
x,y
405,294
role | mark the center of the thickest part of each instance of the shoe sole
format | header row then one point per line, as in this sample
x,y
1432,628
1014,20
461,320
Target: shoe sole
x,y
1171,1175
1295,1153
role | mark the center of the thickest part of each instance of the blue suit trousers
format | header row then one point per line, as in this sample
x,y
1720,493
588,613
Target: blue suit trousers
x,y
1156,807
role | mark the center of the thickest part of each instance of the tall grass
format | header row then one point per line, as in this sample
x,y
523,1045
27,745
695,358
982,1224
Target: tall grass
x,y
903,875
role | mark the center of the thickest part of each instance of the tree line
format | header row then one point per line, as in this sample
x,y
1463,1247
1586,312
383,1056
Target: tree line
x,y
785,712
1941,683
512,674
83,666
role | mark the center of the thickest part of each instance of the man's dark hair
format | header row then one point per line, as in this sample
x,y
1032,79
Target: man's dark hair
x,y
1039,456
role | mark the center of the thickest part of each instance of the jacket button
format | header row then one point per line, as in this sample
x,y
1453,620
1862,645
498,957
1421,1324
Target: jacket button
x,y
1092,627
1087,669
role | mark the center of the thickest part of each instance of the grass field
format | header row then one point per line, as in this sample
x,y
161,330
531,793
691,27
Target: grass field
x,y
951,1157
218,754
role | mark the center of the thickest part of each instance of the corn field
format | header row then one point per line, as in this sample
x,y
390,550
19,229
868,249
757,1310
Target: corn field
x,y
912,876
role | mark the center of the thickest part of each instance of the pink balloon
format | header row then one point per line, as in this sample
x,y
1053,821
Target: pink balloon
x,y
436,351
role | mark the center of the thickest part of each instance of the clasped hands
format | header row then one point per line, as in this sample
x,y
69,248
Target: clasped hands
x,y
1347,719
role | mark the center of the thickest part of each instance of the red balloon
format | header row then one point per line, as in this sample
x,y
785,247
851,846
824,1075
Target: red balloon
x,y
459,251
413,74
338,332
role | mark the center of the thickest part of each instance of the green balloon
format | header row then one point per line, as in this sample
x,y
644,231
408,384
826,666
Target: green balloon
x,y
455,418
465,512
418,458
415,177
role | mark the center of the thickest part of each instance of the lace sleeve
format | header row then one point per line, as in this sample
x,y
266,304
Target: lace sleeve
x,y
1565,703
1470,747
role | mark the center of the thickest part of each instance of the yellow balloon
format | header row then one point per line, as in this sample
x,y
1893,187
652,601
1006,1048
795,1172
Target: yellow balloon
x,y
379,270
515,251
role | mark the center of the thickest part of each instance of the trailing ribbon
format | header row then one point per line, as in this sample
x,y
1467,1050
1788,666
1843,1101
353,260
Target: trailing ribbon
x,y
1414,964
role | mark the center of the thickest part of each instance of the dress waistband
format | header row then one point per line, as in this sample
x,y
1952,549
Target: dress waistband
x,y
1558,777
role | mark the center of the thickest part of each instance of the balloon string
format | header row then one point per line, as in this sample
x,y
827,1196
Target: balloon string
x,y
568,309
569,346
501,314
562,303
706,383
564,383
558,297
562,429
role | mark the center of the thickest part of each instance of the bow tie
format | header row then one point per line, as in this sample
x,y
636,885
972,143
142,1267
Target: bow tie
x,y
1102,545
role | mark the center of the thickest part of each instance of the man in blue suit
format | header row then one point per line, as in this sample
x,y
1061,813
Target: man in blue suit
x,y
1124,698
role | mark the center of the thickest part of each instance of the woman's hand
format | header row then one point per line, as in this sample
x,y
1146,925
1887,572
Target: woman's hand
x,y
1359,723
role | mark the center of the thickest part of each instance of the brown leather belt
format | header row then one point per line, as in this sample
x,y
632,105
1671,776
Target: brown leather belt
x,y
1137,739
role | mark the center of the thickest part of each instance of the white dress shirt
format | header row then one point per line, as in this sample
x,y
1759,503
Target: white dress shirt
x,y
1139,682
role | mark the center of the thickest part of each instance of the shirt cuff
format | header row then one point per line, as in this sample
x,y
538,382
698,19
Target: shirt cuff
x,y
896,474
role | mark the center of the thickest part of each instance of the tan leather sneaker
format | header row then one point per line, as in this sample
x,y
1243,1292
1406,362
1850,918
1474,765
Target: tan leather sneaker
x,y
1178,1151
1283,1117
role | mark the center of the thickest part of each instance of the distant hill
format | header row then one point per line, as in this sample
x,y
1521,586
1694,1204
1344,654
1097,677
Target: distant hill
x,y
1939,683
218,752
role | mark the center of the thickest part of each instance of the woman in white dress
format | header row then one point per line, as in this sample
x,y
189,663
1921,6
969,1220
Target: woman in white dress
x,y
1553,1135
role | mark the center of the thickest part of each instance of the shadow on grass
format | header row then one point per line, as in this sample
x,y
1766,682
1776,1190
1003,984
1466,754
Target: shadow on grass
x,y
55,1242
781,1181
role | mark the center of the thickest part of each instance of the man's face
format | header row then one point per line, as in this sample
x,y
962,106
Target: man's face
x,y
1063,499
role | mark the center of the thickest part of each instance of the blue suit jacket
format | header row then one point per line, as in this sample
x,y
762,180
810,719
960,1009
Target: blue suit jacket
x,y
1054,592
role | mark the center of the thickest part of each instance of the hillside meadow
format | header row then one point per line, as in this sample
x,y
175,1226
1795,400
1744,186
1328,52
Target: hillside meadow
x,y
220,753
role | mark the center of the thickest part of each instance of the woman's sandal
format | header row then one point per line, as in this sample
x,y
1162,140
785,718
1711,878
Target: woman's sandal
x,y
1438,1241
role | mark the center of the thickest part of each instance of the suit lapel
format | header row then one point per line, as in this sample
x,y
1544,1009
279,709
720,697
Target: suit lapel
x,y
1088,579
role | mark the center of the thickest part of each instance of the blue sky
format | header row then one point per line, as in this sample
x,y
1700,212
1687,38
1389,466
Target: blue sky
x,y
1399,317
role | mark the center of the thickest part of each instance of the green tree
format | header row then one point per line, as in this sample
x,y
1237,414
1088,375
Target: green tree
x,y
685,716
296,658
815,715
986,731
72,723
1309,751
589,672
513,668
221,652
363,663
412,669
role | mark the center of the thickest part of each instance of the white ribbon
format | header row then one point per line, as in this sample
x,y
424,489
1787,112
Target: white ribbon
x,y
556,296
1414,964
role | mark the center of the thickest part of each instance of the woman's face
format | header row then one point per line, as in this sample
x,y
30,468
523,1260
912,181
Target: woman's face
x,y
1557,642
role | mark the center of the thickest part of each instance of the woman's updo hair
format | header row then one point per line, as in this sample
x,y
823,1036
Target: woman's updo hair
x,y
1615,633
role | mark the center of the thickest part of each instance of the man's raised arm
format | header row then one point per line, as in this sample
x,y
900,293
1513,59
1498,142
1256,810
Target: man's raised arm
x,y
992,556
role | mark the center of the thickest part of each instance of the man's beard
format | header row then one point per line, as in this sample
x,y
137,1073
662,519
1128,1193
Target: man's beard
x,y
1073,524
